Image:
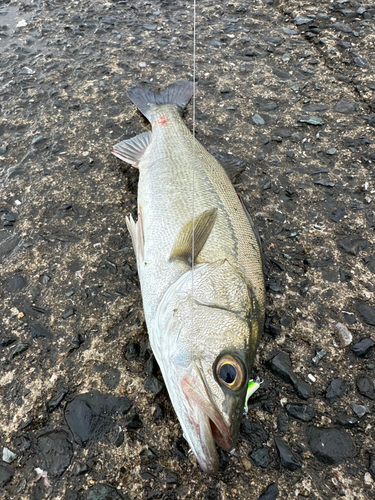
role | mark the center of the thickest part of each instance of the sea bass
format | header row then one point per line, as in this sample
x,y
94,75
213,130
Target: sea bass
x,y
200,269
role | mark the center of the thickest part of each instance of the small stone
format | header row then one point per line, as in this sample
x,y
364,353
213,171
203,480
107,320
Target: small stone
x,y
362,347
258,120
313,120
365,386
352,244
282,422
16,284
80,468
142,64
253,433
331,445
318,356
288,458
134,423
21,24
360,61
120,438
359,410
153,384
346,420
261,458
345,106
133,350
372,466
336,390
3,150
270,493
367,313
6,475
301,412
171,478
299,20
8,455
331,151
103,492
345,336
349,317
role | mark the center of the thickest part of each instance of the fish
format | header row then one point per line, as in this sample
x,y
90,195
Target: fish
x,y
199,263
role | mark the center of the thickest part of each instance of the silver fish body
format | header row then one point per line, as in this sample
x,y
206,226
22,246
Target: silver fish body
x,y
204,321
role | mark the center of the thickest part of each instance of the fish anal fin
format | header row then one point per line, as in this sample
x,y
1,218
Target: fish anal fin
x,y
136,232
132,149
201,226
233,166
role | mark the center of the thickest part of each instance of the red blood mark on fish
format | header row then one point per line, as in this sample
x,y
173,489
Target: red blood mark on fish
x,y
162,121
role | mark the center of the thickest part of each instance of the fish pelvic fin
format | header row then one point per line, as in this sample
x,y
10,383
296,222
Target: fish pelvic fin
x,y
136,232
132,149
202,226
178,93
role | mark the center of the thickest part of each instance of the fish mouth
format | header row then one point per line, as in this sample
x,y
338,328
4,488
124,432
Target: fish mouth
x,y
205,426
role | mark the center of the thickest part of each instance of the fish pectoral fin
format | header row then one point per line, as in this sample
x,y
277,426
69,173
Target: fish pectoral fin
x,y
136,232
201,226
233,166
132,149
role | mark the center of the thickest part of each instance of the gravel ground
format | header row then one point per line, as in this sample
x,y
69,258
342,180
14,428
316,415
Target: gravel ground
x,y
287,87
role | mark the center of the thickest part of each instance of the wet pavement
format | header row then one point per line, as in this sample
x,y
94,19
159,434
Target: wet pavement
x,y
288,88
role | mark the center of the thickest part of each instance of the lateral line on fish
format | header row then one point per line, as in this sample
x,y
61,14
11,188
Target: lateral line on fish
x,y
193,172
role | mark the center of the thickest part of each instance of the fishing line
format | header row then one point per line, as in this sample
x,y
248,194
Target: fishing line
x,y
193,180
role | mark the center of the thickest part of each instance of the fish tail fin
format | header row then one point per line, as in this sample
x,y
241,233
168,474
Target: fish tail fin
x,y
178,93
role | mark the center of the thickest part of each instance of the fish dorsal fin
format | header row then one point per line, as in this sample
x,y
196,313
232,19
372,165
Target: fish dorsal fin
x,y
253,226
233,166
183,247
132,149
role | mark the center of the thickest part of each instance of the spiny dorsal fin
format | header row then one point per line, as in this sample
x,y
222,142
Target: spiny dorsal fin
x,y
183,247
132,149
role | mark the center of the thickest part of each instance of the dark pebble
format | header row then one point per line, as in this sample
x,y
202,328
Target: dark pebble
x,y
362,347
80,468
282,422
20,348
133,350
178,448
367,313
103,492
6,341
336,390
288,458
120,438
38,331
338,214
159,415
345,106
16,284
270,493
153,384
150,366
281,365
372,466
346,420
56,400
330,445
365,386
134,423
69,312
349,318
352,244
359,410
253,433
261,458
6,475
56,449
171,478
89,415
301,412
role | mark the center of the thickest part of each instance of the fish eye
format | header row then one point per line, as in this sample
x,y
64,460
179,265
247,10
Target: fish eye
x,y
230,372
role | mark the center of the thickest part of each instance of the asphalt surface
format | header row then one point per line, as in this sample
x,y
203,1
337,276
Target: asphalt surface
x,y
286,87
